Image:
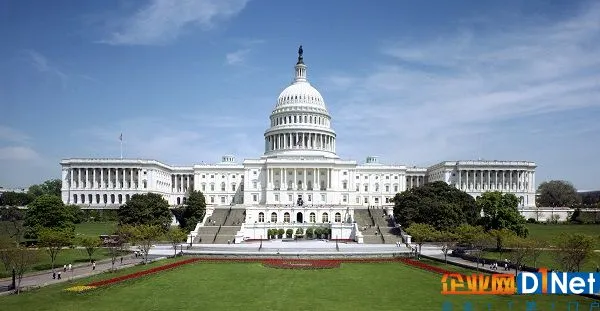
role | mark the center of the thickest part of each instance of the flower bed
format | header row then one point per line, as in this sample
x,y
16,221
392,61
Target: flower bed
x,y
304,264
142,273
424,266
79,288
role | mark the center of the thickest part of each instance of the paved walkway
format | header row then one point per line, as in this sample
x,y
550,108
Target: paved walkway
x,y
436,252
44,278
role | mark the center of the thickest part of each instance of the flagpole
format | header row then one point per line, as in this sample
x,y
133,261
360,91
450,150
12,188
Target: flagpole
x,y
121,142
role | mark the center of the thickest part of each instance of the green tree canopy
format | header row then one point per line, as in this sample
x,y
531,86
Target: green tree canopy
x,y
15,199
145,209
557,193
573,250
51,187
500,212
47,211
192,212
437,204
422,233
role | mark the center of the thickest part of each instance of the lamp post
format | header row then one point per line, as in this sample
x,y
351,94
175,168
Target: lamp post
x,y
191,240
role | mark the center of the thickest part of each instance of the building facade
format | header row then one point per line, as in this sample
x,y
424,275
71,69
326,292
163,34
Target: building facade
x,y
299,169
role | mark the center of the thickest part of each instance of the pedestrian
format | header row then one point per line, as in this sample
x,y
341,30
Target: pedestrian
x,y
121,259
70,267
54,275
64,268
93,266
59,275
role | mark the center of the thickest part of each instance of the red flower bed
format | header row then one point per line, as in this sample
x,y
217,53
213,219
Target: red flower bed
x,y
425,266
305,264
142,273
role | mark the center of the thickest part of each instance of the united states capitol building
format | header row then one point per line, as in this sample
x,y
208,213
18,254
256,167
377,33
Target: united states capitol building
x,y
299,180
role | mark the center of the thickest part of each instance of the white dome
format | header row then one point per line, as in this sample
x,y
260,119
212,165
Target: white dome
x,y
300,93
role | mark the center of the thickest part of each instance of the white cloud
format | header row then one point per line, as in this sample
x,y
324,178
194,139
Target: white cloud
x,y
18,153
177,140
236,57
8,134
42,64
164,20
430,101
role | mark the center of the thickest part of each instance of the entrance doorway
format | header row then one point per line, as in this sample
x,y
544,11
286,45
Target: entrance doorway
x,y
299,218
299,202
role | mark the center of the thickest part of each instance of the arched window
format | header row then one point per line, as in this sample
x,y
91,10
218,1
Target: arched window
x,y
120,198
184,200
178,201
105,197
312,217
376,187
273,217
338,217
212,187
233,187
290,185
90,199
299,184
309,185
127,198
75,198
222,186
286,217
97,199
261,217
325,218
112,199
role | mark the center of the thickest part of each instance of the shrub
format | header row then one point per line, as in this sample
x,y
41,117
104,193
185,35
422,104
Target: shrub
x,y
280,233
299,231
289,233
531,220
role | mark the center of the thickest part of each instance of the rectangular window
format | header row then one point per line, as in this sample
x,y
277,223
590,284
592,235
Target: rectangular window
x,y
309,197
396,188
357,200
323,197
366,188
345,198
222,200
376,200
277,198
387,188
345,185
255,198
366,200
203,176
212,199
290,198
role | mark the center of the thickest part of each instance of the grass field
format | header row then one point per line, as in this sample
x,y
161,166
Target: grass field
x,y
95,229
550,232
250,286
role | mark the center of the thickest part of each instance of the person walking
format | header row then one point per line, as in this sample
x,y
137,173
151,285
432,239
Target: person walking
x,y
64,268
58,275
70,267
93,266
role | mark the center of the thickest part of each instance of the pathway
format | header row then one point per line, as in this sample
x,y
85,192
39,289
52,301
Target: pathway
x,y
44,278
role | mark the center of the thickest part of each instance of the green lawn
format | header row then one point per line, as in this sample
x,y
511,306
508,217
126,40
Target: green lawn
x,y
250,286
550,232
95,229
66,256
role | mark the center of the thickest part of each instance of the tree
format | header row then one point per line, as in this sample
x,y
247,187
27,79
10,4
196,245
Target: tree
x,y
146,235
176,236
54,240
537,248
22,260
12,198
47,211
49,187
90,244
192,212
501,236
557,193
422,233
573,250
449,241
12,222
467,234
520,251
437,204
146,209
500,212
481,242
7,246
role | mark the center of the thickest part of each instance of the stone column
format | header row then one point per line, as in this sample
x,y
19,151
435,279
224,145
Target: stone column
x,y
295,183
318,179
71,177
304,182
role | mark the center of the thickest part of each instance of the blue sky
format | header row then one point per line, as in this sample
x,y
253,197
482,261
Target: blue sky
x,y
415,82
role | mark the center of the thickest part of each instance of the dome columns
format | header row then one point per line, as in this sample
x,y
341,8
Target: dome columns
x,y
299,141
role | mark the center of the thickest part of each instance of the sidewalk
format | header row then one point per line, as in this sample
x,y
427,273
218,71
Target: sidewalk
x,y
44,278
